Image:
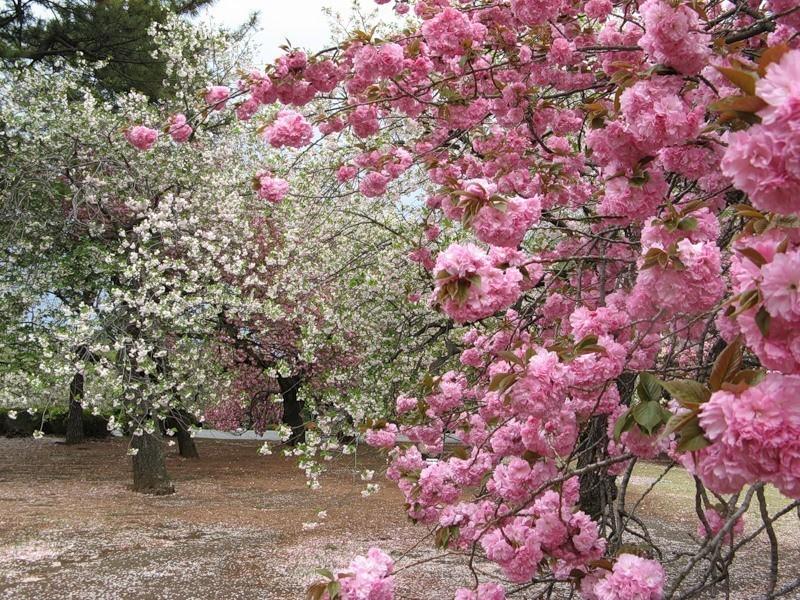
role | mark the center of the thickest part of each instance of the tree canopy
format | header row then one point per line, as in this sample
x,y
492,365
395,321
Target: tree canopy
x,y
566,233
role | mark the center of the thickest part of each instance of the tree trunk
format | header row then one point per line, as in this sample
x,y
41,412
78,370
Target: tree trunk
x,y
292,408
74,433
593,484
186,446
179,421
149,469
598,488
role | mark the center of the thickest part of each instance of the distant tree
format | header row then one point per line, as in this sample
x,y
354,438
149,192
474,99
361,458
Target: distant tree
x,y
115,32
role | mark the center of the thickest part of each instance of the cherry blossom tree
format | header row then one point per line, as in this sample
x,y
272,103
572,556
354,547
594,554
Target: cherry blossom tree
x,y
611,208
606,201
152,274
117,258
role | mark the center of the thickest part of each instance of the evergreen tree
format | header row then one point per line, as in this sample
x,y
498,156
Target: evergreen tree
x,y
112,31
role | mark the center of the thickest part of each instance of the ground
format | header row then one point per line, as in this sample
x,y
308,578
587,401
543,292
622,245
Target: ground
x,y
70,528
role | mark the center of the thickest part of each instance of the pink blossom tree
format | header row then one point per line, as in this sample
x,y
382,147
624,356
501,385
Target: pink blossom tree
x,y
611,195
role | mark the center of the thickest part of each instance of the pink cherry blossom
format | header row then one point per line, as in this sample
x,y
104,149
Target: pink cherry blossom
x,y
674,36
373,184
450,33
780,89
289,129
750,433
141,137
488,289
217,97
179,129
632,578
271,188
246,110
364,120
368,577
716,522
780,285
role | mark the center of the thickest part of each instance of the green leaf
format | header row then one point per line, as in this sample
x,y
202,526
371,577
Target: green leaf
x,y
678,422
326,573
501,382
316,591
509,356
639,179
769,56
748,376
687,391
334,590
623,424
648,387
648,416
589,340
591,349
738,104
747,300
443,536
692,438
745,210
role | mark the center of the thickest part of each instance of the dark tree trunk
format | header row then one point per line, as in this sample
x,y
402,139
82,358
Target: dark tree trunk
x,y
180,420
186,446
598,488
594,487
149,468
292,409
74,433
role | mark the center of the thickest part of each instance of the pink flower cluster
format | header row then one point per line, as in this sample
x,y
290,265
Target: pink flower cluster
x,y
507,223
674,36
217,97
451,33
716,522
776,281
484,591
382,438
371,62
488,288
764,161
141,137
272,189
690,284
536,12
630,201
632,578
290,129
755,436
179,129
367,577
657,115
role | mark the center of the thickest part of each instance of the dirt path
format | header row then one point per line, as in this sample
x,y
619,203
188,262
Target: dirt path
x,y
71,529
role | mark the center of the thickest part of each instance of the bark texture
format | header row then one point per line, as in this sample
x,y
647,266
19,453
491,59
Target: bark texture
x,y
186,446
598,488
149,468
